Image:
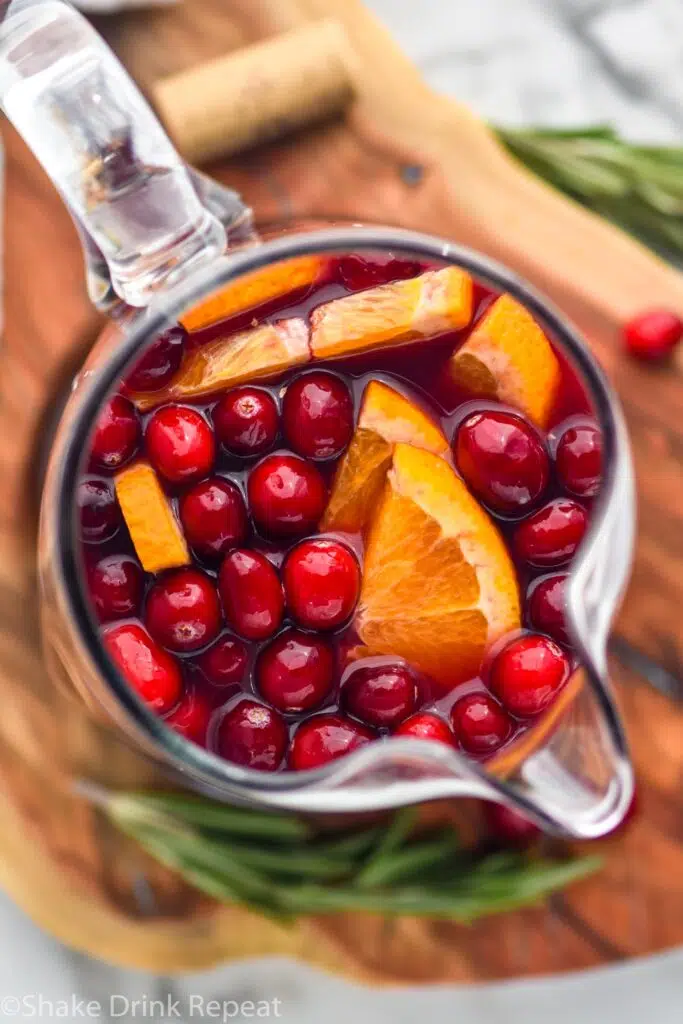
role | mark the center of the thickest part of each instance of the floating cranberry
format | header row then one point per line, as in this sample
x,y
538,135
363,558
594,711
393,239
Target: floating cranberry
x,y
426,726
182,610
287,495
191,717
527,674
295,672
153,673
502,460
510,827
159,363
225,662
546,605
317,413
251,593
380,695
115,584
324,738
246,421
480,723
117,434
322,583
653,335
253,735
214,517
180,443
358,272
550,536
579,460
98,510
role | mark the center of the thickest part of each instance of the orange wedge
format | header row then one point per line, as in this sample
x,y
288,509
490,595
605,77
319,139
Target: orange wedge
x,y
385,418
253,289
438,301
153,527
259,352
508,357
438,584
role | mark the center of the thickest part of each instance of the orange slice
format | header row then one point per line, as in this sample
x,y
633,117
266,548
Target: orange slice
x,y
438,584
508,357
259,352
438,301
385,418
153,527
253,289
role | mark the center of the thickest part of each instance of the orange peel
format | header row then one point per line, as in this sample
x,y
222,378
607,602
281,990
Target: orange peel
x,y
156,534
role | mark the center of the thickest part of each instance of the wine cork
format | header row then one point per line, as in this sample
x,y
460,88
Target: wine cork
x,y
259,93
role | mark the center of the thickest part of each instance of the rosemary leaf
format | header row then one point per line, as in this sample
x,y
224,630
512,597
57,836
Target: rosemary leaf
x,y
408,863
393,837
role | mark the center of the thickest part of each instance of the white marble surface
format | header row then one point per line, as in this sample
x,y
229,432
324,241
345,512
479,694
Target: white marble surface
x,y
556,62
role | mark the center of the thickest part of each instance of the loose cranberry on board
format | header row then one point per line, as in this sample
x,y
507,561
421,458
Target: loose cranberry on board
x,y
509,827
322,583
653,335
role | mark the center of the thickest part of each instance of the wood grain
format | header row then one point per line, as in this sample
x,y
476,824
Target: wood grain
x,y
57,857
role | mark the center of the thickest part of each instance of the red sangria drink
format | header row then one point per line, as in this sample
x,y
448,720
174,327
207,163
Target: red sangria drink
x,y
339,502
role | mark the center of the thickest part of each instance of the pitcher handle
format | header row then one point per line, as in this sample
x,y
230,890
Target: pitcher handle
x,y
140,211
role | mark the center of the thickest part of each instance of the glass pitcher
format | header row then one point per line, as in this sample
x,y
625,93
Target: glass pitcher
x,y
158,238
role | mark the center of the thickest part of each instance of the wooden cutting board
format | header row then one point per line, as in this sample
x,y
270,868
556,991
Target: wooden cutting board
x,y
405,156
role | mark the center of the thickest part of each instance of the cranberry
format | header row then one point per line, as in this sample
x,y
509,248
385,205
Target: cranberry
x,y
182,610
358,272
115,584
159,363
287,495
225,662
214,516
251,593
550,536
381,695
324,738
653,335
98,510
253,735
191,717
480,724
117,434
296,671
508,826
322,583
426,726
546,604
180,443
527,674
502,460
246,421
317,413
579,460
153,673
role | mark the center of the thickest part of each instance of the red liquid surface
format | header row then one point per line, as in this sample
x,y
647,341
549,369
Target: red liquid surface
x,y
385,699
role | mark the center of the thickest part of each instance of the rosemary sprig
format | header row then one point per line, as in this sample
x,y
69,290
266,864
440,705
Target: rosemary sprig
x,y
638,187
277,865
